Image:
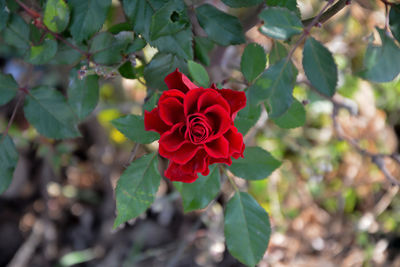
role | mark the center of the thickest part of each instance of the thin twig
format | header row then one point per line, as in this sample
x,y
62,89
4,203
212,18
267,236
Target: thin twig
x,y
21,97
328,13
133,153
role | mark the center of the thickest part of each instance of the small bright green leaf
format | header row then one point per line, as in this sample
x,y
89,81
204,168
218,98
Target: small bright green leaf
x,y
200,193
294,117
289,4
394,21
220,27
87,17
202,48
257,164
43,53
83,94
159,67
47,110
253,61
56,15
137,188
320,67
132,126
106,49
169,19
8,88
381,62
8,162
241,3
247,229
247,118
275,86
17,33
280,23
198,73
278,52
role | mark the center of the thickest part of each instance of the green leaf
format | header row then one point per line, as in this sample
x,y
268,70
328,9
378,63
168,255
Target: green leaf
x,y
8,161
247,118
127,70
289,4
83,94
132,126
381,62
47,110
199,74
17,33
257,164
87,17
394,21
294,117
4,15
153,100
253,61
320,67
8,88
137,44
140,12
105,49
179,44
200,193
276,86
120,27
278,52
241,3
137,188
220,27
159,67
169,19
202,48
43,53
247,229
56,15
280,23
67,55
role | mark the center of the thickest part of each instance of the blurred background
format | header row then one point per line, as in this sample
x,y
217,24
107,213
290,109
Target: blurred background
x,y
329,205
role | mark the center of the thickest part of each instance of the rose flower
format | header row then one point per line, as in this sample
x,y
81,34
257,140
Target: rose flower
x,y
196,127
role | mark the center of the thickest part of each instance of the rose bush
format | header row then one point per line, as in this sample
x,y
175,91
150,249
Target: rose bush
x,y
196,127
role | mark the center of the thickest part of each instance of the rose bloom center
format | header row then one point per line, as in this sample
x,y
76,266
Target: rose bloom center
x,y
197,128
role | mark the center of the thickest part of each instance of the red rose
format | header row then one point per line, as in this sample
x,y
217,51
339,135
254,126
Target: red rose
x,y
196,127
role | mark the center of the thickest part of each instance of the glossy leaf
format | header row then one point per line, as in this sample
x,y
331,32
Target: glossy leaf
x,y
132,126
43,53
280,23
199,74
222,28
17,33
137,188
200,193
257,164
87,17
137,44
159,67
56,15
247,229
275,86
253,61
179,44
241,3
83,94
294,117
289,4
106,49
247,118
8,161
202,48
8,88
47,110
394,21
381,62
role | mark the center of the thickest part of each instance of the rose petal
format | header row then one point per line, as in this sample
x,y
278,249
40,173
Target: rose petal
x,y
174,93
219,148
190,101
235,139
178,80
211,97
175,173
173,139
227,161
199,163
171,111
219,119
236,100
153,122
181,156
